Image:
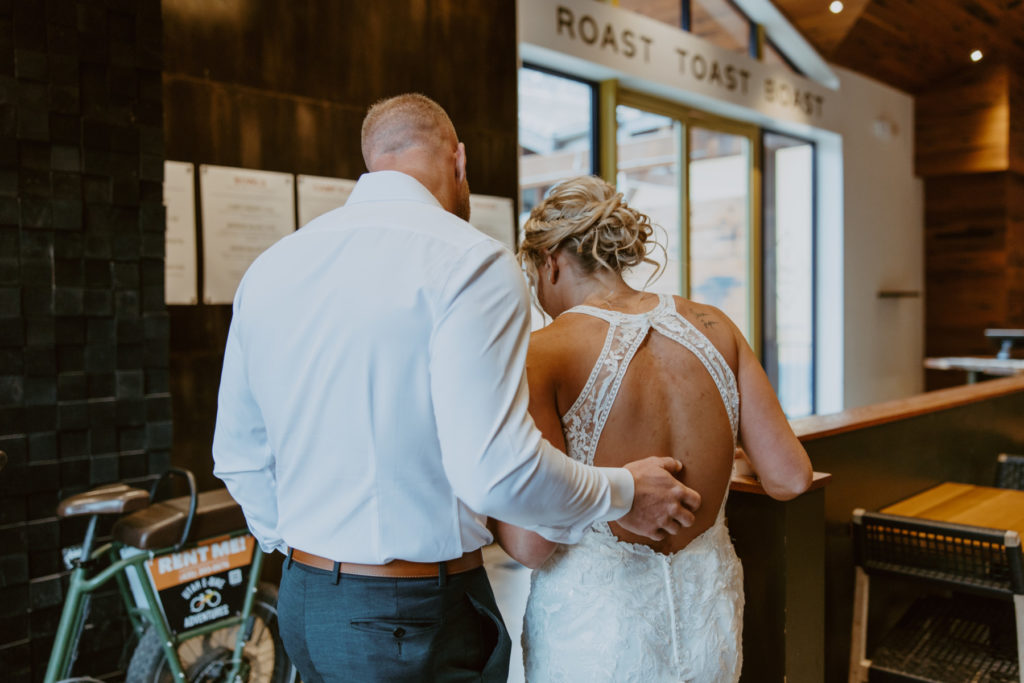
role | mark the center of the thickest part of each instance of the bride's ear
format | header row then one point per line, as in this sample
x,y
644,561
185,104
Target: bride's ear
x,y
552,264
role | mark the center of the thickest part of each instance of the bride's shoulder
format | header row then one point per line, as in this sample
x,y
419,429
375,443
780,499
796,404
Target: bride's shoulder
x,y
566,339
711,322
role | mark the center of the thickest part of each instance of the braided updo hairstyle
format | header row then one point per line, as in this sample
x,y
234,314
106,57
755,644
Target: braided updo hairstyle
x,y
587,216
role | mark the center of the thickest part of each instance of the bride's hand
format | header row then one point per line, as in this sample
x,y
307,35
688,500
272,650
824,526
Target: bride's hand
x,y
661,503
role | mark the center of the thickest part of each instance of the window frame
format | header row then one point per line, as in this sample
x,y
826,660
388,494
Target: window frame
x,y
689,117
769,360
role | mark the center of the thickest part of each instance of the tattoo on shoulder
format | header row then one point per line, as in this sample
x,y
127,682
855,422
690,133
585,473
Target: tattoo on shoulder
x,y
706,320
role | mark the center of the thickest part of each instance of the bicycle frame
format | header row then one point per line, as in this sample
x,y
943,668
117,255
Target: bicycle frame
x,y
151,612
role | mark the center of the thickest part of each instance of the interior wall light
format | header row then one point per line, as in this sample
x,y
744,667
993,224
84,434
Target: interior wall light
x,y
836,7
976,56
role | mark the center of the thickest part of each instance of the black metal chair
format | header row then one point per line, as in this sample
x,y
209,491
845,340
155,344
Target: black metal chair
x,y
972,630
1010,472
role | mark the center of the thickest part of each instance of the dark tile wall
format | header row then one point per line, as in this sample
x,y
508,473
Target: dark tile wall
x,y
84,385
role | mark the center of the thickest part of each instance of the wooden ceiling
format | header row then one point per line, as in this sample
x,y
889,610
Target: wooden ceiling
x,y
913,45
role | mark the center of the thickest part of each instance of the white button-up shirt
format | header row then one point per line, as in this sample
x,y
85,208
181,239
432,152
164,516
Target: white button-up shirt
x,y
373,401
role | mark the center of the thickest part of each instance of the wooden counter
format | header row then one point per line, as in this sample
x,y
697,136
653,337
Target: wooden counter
x,y
782,547
985,506
741,482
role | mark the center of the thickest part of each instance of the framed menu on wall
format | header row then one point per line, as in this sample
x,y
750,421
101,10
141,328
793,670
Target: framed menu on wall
x,y
180,284
494,216
244,212
318,195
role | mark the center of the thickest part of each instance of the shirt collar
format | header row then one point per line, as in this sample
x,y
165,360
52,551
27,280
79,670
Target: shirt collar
x,y
390,186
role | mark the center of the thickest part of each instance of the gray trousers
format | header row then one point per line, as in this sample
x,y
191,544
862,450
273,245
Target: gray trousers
x,y
360,628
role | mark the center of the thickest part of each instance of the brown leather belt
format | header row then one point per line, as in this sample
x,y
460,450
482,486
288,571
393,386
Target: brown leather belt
x,y
400,569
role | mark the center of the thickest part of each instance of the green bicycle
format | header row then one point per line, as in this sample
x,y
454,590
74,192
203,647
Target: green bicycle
x,y
188,573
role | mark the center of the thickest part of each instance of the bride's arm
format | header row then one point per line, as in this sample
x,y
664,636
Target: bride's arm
x,y
777,456
525,546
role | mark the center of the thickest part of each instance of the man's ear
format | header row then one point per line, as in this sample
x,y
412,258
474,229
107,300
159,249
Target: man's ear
x,y
460,163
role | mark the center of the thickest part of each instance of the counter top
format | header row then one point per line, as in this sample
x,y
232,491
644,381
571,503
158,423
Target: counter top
x,y
819,426
748,484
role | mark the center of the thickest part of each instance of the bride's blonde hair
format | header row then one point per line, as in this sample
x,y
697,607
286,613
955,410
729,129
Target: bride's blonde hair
x,y
587,216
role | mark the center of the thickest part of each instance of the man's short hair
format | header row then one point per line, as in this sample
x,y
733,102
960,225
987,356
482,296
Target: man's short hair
x,y
395,124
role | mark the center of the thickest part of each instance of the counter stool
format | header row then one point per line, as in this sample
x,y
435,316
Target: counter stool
x,y
971,630
1010,472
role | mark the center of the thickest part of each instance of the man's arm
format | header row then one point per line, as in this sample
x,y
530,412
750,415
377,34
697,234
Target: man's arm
x,y
242,456
494,456
528,547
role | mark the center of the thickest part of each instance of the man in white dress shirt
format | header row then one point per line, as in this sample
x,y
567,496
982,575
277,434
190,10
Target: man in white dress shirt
x,y
373,412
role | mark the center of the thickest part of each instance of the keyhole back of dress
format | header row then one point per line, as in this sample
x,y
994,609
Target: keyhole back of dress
x,y
649,394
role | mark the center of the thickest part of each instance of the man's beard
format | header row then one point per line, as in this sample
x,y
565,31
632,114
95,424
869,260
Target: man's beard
x,y
462,201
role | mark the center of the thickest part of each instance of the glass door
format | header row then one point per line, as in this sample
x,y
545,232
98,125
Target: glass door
x,y
649,176
720,236
789,281
694,175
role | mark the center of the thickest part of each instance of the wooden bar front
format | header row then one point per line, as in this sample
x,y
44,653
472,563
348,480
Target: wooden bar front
x,y
887,452
782,547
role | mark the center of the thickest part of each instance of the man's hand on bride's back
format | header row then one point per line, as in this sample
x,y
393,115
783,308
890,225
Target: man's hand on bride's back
x,y
662,505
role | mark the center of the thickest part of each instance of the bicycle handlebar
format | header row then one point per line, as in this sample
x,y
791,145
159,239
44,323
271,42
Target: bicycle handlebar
x,y
193,496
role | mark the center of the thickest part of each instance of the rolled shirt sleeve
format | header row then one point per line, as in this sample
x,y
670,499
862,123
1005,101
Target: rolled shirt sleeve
x,y
494,456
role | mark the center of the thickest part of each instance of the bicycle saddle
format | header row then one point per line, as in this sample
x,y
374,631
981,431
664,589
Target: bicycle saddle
x,y
112,499
160,525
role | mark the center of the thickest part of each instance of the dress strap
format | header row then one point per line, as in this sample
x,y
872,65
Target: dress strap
x,y
676,327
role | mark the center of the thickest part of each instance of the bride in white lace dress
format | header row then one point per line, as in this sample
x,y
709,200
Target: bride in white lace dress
x,y
621,374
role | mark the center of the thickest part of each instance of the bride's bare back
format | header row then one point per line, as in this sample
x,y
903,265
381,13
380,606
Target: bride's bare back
x,y
667,404
575,246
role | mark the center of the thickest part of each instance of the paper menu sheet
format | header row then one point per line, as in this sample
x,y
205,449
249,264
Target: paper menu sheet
x,y
318,195
494,216
244,212
180,271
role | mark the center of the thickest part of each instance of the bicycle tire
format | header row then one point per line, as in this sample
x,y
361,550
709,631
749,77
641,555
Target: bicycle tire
x,y
206,659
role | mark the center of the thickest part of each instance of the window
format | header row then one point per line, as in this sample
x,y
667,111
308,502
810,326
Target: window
x,y
719,22
734,209
772,56
666,11
556,132
692,175
649,177
789,280
720,224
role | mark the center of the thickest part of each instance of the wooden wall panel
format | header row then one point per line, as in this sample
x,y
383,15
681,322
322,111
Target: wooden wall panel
x,y
1016,97
963,126
283,86
966,258
1015,253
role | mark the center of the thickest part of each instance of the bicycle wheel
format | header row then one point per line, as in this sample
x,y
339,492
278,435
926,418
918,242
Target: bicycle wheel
x,y
207,659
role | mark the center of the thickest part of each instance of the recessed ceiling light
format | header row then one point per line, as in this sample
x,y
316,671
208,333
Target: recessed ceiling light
x,y
836,7
976,56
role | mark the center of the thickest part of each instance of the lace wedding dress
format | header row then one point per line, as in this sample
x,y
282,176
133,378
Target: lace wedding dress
x,y
607,610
